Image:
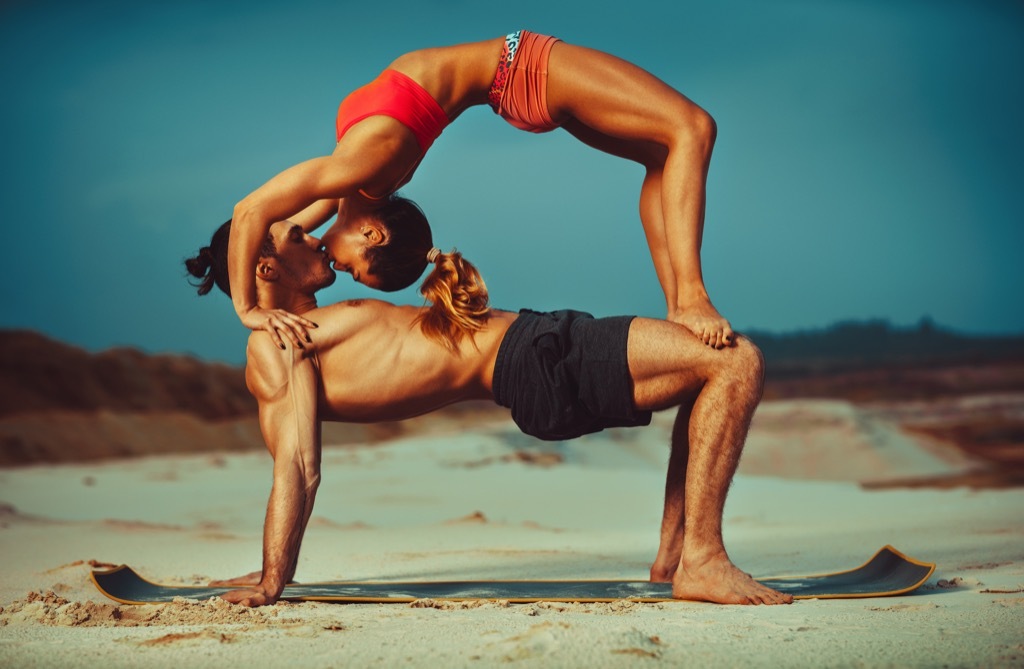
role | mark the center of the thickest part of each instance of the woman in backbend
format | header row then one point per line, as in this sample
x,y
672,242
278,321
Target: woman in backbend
x,y
536,83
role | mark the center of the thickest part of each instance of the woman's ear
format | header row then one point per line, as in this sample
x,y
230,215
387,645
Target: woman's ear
x,y
374,234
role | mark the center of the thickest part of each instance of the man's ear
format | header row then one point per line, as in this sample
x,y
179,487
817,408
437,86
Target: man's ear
x,y
374,234
266,270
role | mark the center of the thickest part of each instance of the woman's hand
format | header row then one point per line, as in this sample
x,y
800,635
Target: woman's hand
x,y
277,321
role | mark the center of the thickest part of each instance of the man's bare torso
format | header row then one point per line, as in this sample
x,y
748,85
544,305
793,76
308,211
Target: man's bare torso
x,y
375,363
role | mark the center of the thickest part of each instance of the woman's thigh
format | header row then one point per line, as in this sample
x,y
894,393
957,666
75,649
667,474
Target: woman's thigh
x,y
613,96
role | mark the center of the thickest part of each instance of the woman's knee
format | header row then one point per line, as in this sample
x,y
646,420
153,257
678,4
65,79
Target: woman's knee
x,y
696,130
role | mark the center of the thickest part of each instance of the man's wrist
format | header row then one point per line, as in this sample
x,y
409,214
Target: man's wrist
x,y
271,589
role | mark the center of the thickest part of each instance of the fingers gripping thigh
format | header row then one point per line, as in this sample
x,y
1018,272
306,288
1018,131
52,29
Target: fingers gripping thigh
x,y
667,363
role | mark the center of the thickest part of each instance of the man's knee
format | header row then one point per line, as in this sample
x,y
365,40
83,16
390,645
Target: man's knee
x,y
745,364
751,355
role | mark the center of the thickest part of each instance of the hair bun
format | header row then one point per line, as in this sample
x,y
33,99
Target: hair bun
x,y
199,266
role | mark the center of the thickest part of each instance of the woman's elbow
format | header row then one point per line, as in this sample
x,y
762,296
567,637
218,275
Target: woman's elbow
x,y
244,211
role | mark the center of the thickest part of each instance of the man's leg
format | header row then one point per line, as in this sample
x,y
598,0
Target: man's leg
x,y
671,367
673,520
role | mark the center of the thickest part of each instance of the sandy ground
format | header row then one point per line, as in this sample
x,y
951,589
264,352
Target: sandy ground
x,y
488,503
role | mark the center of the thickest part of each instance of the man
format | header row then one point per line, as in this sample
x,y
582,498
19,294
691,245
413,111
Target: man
x,y
368,360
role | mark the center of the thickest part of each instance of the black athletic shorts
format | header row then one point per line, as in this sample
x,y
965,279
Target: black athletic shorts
x,y
565,373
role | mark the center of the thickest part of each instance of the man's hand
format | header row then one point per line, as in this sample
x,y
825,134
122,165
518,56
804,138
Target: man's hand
x,y
276,321
251,597
253,578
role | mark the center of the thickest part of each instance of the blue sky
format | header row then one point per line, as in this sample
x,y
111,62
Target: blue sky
x,y
868,165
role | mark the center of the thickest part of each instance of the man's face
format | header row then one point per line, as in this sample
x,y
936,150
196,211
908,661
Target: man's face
x,y
299,258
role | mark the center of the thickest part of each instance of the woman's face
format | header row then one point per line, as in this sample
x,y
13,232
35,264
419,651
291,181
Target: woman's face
x,y
346,243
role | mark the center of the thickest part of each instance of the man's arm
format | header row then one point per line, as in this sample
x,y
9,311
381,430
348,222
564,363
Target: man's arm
x,y
285,384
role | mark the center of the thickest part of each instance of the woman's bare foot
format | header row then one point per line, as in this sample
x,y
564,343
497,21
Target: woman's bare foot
x,y
702,319
718,580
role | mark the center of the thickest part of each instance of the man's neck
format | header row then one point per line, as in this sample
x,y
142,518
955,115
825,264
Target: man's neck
x,y
296,303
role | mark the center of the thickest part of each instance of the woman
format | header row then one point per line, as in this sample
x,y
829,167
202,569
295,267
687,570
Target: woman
x,y
537,83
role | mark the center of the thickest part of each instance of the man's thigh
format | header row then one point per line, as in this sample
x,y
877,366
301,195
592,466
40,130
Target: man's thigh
x,y
668,364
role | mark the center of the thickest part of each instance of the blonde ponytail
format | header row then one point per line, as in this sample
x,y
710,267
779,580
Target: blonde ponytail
x,y
458,299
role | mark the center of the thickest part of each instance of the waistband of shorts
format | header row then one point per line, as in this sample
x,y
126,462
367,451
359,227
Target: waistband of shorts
x,y
508,55
499,383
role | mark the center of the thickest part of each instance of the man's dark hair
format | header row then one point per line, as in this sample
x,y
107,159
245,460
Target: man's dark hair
x,y
210,266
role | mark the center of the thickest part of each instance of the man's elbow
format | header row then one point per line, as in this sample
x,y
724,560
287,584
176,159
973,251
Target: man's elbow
x,y
296,472
312,479
308,473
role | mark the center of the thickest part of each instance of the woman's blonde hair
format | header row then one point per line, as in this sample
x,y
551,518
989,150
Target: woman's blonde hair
x,y
458,300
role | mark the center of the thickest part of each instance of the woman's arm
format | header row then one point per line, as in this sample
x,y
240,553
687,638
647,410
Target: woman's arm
x,y
296,189
316,214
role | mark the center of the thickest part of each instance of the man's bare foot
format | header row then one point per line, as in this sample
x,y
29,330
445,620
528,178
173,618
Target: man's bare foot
x,y
718,580
664,569
702,319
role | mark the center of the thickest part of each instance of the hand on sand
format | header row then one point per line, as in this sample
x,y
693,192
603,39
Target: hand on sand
x,y
251,597
277,321
703,320
252,578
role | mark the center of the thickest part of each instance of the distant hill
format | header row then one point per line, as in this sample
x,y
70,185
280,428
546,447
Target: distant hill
x,y
876,342
38,373
60,403
872,361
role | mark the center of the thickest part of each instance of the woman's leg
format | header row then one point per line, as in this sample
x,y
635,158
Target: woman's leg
x,y
622,109
652,157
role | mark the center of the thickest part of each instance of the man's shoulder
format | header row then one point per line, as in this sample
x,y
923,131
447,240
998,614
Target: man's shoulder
x,y
267,363
348,308
261,350
338,321
268,366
